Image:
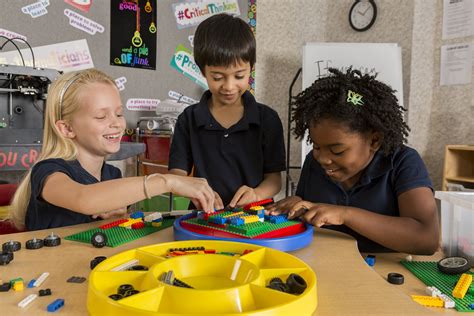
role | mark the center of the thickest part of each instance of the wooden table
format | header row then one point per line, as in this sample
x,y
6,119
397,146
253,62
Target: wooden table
x,y
346,285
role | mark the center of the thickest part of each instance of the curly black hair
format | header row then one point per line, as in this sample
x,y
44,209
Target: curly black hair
x,y
327,98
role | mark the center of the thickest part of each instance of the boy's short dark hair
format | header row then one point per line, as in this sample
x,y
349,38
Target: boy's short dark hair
x,y
222,40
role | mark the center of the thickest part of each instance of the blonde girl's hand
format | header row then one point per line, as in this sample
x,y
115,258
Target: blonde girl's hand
x,y
116,213
282,206
319,214
244,195
196,189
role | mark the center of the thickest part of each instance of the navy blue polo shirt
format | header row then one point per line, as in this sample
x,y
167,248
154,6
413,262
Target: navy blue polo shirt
x,y
384,179
228,158
41,214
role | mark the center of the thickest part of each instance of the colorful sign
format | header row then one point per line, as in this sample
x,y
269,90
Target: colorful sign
x,y
83,5
183,61
142,104
191,13
67,56
36,9
133,34
10,34
82,23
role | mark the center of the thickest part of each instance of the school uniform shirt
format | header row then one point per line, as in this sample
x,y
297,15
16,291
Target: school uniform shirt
x,y
41,214
384,179
232,157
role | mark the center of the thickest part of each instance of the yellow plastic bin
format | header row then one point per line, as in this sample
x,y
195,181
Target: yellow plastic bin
x,y
232,281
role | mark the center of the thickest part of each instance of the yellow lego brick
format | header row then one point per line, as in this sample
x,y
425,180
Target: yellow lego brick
x,y
18,286
428,300
250,219
462,286
156,224
130,222
237,214
257,208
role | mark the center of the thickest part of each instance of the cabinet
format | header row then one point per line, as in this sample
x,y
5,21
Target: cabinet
x,y
459,166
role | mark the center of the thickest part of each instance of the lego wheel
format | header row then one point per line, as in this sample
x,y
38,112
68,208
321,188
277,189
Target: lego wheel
x,y
454,265
226,278
99,240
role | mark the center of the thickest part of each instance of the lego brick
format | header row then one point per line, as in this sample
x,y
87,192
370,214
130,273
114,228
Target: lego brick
x,y
258,203
462,286
27,300
41,279
55,305
428,301
113,224
137,215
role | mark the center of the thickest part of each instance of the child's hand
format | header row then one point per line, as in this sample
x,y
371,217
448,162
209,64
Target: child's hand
x,y
197,189
282,206
110,214
244,196
318,214
218,204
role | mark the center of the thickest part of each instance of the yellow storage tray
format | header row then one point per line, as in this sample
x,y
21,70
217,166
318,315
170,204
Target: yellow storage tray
x,y
223,283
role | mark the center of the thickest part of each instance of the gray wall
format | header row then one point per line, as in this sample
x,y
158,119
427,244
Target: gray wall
x,y
438,115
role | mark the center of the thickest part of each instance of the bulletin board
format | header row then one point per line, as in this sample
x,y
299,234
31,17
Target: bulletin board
x,y
87,23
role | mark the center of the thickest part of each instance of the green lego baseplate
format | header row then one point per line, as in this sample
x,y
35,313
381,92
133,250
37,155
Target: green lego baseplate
x,y
428,273
117,236
250,230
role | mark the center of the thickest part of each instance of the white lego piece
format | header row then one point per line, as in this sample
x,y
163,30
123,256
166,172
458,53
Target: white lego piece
x,y
27,300
153,216
448,302
126,265
41,279
409,258
433,291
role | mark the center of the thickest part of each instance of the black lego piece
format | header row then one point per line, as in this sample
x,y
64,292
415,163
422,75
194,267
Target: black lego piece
x,y
52,240
453,265
96,261
11,246
34,244
177,282
44,292
5,258
99,240
124,288
130,293
395,278
277,284
5,287
138,267
116,297
76,279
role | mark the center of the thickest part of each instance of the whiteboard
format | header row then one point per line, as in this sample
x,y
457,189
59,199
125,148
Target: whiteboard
x,y
384,59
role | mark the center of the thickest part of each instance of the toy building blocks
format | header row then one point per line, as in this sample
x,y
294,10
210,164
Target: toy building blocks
x,y
153,216
11,246
27,300
138,225
295,284
5,287
428,301
395,278
45,292
99,240
370,259
114,224
52,240
41,279
76,279
137,215
462,286
258,203
130,222
34,243
5,258
125,266
454,265
55,305
31,284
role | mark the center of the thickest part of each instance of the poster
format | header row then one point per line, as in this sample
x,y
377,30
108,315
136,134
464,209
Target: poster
x,y
133,34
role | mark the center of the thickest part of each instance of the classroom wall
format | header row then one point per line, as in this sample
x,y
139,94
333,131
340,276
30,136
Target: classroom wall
x,y
438,115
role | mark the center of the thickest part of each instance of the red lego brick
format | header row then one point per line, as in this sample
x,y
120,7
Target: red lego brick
x,y
138,225
113,224
258,203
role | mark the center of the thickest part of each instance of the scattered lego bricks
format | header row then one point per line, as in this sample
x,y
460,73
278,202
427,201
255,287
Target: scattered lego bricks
x,y
294,284
123,291
117,236
462,286
428,273
428,301
175,252
55,305
76,279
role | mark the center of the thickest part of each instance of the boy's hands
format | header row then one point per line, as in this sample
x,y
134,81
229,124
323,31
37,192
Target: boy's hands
x,y
319,214
244,196
282,206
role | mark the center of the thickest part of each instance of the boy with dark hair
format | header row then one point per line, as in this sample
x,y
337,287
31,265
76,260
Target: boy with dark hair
x,y
228,138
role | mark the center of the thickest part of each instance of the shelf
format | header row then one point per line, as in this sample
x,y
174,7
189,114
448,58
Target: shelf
x,y
458,165
461,179
461,147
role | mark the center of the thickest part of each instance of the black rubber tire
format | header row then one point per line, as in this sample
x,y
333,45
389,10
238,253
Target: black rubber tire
x,y
99,240
11,246
52,241
395,278
96,261
34,244
296,284
453,265
5,258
